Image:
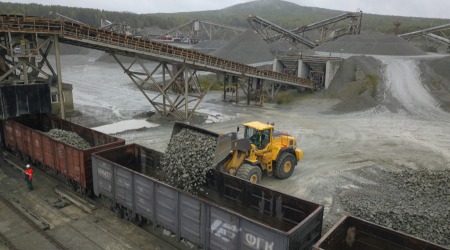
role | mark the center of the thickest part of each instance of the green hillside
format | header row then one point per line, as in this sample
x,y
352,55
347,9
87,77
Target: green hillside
x,y
285,14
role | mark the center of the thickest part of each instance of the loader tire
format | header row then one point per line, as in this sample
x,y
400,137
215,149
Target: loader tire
x,y
250,173
285,166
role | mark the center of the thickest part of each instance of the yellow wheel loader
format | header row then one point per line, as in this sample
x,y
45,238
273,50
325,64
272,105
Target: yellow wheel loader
x,y
262,150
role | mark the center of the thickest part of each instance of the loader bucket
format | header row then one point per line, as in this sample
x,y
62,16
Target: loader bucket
x,y
223,146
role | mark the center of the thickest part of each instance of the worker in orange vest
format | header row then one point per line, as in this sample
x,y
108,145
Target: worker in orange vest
x,y
29,177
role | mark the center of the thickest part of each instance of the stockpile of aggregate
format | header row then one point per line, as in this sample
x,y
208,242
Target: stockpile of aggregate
x,y
250,48
68,137
358,83
415,202
436,76
151,32
208,46
371,44
188,158
246,48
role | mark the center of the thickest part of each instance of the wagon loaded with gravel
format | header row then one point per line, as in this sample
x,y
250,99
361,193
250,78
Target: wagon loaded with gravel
x,y
220,212
262,150
61,145
355,233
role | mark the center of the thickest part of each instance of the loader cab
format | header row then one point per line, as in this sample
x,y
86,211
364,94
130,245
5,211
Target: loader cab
x,y
259,134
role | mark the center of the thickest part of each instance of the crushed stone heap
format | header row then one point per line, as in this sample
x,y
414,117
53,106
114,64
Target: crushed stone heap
x,y
371,44
397,202
249,48
68,137
208,46
187,160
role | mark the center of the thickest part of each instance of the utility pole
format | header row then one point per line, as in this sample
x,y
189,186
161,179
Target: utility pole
x,y
397,27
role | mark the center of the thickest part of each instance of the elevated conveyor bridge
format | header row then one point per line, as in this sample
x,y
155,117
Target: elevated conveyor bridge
x,y
30,38
429,33
271,32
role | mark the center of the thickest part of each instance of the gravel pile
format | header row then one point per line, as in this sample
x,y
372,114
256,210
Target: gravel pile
x,y
151,32
250,48
371,44
208,46
68,137
436,76
414,202
187,159
358,83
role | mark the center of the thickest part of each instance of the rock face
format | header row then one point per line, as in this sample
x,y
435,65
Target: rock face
x,y
68,137
405,201
187,160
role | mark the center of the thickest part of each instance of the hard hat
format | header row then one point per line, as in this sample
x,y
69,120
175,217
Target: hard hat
x,y
28,165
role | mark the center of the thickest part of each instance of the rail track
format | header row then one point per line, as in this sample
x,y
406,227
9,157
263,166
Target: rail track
x,y
99,202
30,222
7,242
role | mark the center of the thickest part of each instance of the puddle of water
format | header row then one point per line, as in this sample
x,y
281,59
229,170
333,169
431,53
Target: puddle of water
x,y
125,125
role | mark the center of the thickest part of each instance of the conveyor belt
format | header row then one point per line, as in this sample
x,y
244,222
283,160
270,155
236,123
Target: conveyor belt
x,y
90,37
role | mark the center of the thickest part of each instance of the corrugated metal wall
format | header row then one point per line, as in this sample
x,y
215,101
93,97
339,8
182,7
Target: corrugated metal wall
x,y
198,221
23,99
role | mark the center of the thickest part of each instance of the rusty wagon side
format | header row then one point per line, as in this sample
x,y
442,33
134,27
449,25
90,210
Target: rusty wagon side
x,y
354,233
26,136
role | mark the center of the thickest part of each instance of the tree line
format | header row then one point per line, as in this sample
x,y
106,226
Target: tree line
x,y
284,14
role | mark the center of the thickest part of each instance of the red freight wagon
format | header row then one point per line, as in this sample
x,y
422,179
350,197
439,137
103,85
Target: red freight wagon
x,y
26,136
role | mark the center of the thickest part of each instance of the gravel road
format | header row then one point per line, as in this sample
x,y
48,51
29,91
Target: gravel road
x,y
344,153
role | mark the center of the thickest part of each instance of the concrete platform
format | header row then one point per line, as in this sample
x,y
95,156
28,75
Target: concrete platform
x,y
71,225
78,201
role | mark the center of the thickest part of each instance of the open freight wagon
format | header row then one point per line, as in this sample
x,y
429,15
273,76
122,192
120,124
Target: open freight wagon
x,y
354,233
231,214
26,136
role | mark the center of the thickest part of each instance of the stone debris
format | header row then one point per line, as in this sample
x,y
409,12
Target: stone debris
x,y
406,201
69,137
187,243
187,160
168,233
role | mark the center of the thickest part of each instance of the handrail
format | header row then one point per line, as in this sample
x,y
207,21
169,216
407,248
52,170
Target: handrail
x,y
105,38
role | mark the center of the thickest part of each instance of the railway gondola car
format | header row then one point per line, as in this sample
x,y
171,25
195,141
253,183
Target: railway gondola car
x,y
231,214
26,137
354,233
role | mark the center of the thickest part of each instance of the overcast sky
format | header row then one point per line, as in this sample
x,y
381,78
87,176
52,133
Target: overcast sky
x,y
418,8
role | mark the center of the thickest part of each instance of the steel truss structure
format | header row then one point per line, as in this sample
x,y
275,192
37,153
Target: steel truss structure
x,y
24,59
178,95
121,28
428,34
254,90
195,28
177,89
271,32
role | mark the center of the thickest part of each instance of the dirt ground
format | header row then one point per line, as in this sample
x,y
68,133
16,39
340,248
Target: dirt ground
x,y
349,143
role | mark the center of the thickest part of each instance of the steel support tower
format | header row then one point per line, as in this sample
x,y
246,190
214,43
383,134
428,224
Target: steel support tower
x,y
178,93
271,32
